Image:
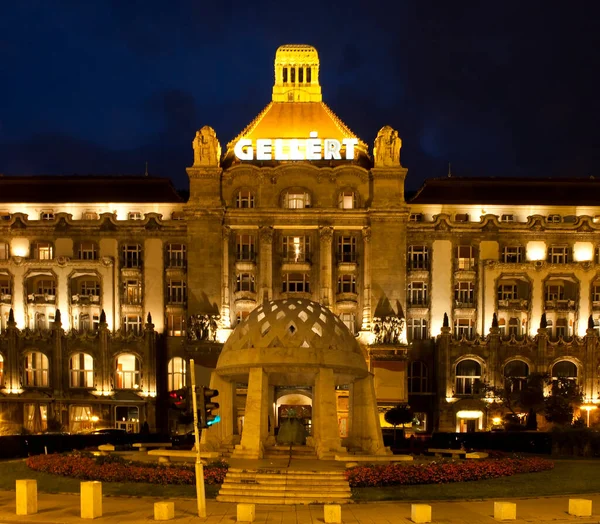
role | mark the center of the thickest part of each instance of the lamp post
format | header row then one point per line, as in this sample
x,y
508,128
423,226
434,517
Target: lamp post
x,y
588,408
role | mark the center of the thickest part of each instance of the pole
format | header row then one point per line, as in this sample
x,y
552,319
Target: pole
x,y
200,494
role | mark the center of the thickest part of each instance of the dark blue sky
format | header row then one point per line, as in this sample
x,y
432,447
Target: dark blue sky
x,y
497,88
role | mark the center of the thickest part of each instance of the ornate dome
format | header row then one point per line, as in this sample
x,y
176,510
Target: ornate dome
x,y
292,333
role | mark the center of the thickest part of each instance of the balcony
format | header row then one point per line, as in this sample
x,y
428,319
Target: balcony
x,y
245,299
346,300
560,305
85,300
41,298
5,298
520,304
464,304
418,302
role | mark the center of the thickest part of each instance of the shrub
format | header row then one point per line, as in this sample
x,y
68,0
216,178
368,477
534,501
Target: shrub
x,y
443,472
115,469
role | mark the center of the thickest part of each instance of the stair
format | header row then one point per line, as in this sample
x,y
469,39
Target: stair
x,y
283,452
284,486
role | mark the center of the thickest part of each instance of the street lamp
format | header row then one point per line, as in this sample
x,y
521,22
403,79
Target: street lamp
x,y
588,408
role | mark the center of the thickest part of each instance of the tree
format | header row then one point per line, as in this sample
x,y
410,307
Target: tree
x,y
559,406
398,416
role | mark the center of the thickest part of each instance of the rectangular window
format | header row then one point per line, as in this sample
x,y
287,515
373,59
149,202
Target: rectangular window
x,y
295,248
47,215
245,282
465,258
244,199
296,283
176,292
46,287
4,251
132,324
42,251
347,284
176,255
90,288
296,200
417,329
89,215
415,217
418,257
507,292
464,293
507,218
595,292
555,292
349,320
463,326
461,217
347,200
87,251
512,254
554,219
241,315
175,325
558,255
135,215
417,293
346,249
132,256
132,292
245,248
5,285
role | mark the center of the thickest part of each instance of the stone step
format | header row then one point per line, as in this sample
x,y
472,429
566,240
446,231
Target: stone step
x,y
294,457
257,486
280,500
289,476
283,472
241,492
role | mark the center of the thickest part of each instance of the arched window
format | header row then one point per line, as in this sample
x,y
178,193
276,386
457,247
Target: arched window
x,y
128,372
36,370
296,199
244,199
468,372
1,370
417,377
564,370
177,373
515,376
347,200
81,371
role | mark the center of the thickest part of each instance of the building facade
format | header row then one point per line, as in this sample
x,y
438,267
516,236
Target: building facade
x,y
110,285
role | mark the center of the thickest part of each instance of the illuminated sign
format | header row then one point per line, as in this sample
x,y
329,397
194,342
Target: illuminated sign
x,y
312,148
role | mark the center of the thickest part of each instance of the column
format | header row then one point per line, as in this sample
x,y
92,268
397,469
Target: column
x,y
154,277
325,276
225,294
266,264
325,422
256,418
222,433
367,313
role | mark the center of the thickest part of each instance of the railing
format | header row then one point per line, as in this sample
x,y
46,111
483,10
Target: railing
x,y
41,298
84,300
513,303
560,305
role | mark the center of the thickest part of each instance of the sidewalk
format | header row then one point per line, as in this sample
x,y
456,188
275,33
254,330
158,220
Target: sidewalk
x,y
64,509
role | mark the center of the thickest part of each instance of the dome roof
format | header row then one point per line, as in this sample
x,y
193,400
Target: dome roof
x,y
292,332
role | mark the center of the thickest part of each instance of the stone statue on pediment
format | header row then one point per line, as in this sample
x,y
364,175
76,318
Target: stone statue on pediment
x,y
386,151
207,149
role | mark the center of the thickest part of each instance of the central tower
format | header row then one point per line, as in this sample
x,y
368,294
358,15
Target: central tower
x,y
297,74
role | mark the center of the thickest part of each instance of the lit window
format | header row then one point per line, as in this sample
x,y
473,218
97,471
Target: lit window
x,y
244,199
296,200
47,215
87,251
175,325
515,376
349,320
131,255
81,368
346,249
464,293
176,292
132,291
295,248
86,325
135,215
468,373
89,215
89,288
128,372
245,249
176,370
36,369
415,217
240,316
347,200
417,329
554,219
564,371
562,328
463,327
417,293
132,324
245,282
296,283
46,287
555,291
42,251
176,255
418,257
346,284
4,251
559,255
417,377
36,417
507,218
465,258
507,292
512,254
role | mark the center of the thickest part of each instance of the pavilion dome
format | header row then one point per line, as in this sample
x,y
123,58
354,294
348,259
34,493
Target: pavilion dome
x,y
292,334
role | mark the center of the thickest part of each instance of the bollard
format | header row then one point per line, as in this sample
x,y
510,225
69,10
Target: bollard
x,y
91,500
505,511
164,510
580,507
420,513
246,512
332,513
27,503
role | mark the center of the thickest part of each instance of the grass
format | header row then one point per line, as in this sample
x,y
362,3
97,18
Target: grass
x,y
567,477
17,469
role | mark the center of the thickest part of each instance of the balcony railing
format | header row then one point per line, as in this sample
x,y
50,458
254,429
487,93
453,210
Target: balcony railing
x,y
5,298
513,303
347,257
85,300
41,298
560,305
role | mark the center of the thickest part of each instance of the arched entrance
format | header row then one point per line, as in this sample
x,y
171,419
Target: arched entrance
x,y
293,405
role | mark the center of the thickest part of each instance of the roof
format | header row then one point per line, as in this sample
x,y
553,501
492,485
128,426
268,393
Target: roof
x,y
515,191
87,189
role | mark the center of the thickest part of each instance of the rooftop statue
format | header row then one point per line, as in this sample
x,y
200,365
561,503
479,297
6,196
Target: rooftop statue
x,y
207,149
386,150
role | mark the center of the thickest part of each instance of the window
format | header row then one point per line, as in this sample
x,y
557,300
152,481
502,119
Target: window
x,y
36,370
347,200
175,325
349,320
464,293
295,248
346,249
461,217
595,291
417,329
558,255
296,283
245,282
1,370
240,316
132,255
41,322
515,376
417,377
4,251
5,287
418,257
128,372
296,199
514,327
89,288
562,328
46,287
47,215
512,254
81,371
507,218
463,327
80,418
555,292
36,417
42,251
468,372
415,217
86,325
89,215
346,284
132,324
245,247
176,292
132,292
417,293
564,370
465,258
507,292
308,75
87,251
177,215
285,75
135,215
554,219
244,199
176,255
176,373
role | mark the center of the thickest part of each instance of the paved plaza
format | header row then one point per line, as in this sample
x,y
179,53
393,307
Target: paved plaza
x,y
64,508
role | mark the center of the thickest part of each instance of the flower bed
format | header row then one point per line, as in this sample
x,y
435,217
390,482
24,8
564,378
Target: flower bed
x,y
115,469
443,472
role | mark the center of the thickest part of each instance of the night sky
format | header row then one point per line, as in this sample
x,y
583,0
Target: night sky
x,y
495,88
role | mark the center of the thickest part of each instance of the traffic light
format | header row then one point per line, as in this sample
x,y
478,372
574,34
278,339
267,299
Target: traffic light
x,y
206,406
